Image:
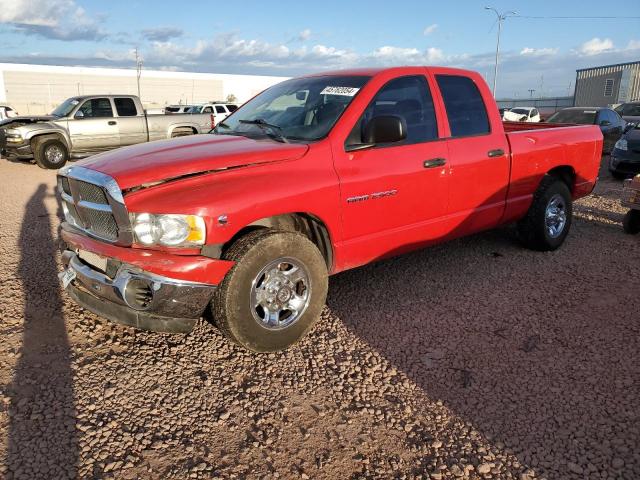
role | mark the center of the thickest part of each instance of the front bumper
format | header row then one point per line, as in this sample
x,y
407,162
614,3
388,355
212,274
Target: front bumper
x,y
136,297
17,152
625,162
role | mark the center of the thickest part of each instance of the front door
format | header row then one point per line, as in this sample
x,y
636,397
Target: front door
x,y
394,196
94,127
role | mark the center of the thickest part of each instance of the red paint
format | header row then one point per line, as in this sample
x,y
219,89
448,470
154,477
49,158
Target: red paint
x,y
180,267
472,192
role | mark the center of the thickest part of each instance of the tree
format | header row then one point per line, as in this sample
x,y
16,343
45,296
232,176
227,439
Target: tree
x,y
231,98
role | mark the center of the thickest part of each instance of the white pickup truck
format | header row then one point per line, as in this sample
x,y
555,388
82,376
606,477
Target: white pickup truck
x,y
83,126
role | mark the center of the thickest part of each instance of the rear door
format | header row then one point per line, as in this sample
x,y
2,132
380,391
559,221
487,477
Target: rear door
x,y
132,124
394,195
94,127
478,154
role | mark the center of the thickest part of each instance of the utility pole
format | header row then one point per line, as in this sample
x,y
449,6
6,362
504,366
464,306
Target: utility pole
x,y
531,92
139,63
501,18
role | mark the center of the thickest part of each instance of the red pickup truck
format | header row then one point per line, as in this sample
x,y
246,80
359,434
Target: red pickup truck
x,y
313,176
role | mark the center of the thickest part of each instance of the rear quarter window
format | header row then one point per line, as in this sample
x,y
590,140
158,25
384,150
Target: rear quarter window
x,y
125,107
466,111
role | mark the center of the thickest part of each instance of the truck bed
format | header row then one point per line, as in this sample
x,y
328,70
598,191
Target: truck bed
x,y
522,126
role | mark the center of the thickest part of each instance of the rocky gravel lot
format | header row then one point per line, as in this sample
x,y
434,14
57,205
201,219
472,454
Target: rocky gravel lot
x,y
475,359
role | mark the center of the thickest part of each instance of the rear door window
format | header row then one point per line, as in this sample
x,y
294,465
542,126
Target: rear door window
x,y
232,108
220,109
465,108
125,107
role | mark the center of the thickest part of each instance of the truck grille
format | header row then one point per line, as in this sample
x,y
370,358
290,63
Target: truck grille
x,y
93,203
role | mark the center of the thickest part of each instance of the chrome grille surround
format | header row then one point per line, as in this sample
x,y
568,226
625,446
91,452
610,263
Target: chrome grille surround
x,y
93,203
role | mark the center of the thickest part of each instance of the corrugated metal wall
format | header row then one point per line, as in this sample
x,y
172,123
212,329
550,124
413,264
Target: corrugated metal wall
x,y
590,85
38,93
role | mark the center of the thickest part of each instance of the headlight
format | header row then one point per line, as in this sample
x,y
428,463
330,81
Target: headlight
x,y
170,230
622,144
14,138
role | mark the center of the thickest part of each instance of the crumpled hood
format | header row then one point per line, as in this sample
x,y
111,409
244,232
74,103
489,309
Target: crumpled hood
x,y
11,121
162,160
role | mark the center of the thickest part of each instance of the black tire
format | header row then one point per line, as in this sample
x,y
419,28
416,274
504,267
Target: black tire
x,y
233,312
43,152
532,229
631,222
182,132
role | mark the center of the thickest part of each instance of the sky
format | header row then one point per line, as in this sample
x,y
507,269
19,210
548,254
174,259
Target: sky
x,y
295,37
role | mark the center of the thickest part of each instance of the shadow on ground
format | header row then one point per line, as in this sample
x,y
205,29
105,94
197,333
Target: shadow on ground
x,y
42,440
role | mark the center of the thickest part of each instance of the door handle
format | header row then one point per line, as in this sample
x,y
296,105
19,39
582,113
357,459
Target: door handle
x,y
112,122
434,162
498,152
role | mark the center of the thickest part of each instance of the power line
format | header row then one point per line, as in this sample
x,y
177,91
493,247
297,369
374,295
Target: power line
x,y
578,18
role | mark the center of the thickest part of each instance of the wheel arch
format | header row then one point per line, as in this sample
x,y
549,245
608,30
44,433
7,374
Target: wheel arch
x,y
305,223
41,137
566,173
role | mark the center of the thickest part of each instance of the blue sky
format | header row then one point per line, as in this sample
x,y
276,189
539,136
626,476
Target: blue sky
x,y
289,38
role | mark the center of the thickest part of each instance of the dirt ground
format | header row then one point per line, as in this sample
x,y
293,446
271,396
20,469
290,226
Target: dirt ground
x,y
474,359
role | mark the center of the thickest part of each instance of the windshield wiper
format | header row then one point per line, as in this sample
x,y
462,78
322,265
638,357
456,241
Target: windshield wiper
x,y
275,129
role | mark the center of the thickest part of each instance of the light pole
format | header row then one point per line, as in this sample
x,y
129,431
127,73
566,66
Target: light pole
x,y
501,18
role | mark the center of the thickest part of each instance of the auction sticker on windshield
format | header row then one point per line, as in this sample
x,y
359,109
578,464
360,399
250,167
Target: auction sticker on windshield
x,y
345,91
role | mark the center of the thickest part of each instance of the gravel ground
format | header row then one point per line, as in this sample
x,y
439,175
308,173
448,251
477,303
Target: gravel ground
x,y
475,359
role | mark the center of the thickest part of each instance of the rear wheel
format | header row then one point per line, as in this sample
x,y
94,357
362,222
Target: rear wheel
x,y
631,222
618,175
182,132
548,220
50,153
274,293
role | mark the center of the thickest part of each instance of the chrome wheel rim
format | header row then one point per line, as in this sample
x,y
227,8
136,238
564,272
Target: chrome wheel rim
x,y
555,217
54,154
280,293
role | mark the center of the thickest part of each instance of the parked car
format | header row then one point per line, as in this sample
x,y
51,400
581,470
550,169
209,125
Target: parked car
x,y
220,111
610,123
7,112
631,199
625,157
502,111
173,109
630,112
298,184
82,126
522,114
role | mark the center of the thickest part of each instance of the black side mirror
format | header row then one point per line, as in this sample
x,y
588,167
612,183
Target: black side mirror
x,y
385,129
629,126
604,123
301,95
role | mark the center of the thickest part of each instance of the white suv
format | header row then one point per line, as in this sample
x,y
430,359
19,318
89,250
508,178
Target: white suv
x,y
522,114
219,110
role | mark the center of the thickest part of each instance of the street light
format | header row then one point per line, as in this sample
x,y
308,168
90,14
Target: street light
x,y
501,18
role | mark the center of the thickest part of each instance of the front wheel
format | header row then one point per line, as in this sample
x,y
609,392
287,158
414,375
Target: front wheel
x,y
274,293
548,220
631,222
50,153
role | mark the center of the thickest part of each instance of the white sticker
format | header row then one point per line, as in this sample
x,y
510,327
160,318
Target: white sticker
x,y
344,91
67,277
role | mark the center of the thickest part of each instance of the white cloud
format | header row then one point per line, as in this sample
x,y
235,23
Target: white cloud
x,y
304,35
596,46
430,29
56,19
538,52
162,34
633,45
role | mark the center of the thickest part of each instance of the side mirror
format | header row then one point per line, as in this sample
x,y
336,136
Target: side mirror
x,y
385,129
302,95
629,126
79,114
604,123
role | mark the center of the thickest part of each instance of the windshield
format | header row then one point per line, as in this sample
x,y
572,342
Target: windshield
x,y
585,117
65,108
520,111
300,109
629,109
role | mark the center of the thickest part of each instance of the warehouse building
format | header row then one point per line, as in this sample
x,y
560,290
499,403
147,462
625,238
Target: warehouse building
x,y
38,89
607,85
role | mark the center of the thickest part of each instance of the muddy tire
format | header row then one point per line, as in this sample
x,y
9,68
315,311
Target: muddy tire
x,y
50,153
548,220
274,293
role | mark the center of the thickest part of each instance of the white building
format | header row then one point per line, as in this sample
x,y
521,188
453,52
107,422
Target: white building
x,y
38,89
